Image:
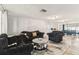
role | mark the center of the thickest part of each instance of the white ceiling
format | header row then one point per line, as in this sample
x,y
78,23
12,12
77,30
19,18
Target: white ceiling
x,y
54,11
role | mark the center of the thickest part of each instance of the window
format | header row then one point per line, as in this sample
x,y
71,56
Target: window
x,y
71,28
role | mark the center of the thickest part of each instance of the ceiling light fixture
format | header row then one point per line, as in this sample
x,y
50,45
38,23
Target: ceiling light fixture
x,y
54,17
3,9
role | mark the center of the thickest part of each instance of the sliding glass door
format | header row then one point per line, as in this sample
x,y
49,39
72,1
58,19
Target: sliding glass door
x,y
71,29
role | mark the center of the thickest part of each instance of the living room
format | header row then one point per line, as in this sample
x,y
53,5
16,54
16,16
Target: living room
x,y
39,29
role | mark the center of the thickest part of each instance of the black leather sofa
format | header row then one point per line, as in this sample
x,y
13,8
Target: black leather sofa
x,y
19,44
37,34
8,46
30,34
56,36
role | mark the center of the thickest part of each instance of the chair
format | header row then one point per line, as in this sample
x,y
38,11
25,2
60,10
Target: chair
x,y
56,36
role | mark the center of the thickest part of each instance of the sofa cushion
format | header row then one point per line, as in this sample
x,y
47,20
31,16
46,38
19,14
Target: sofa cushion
x,y
3,43
34,34
40,35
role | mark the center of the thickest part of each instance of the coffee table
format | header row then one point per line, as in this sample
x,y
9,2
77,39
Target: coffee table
x,y
40,43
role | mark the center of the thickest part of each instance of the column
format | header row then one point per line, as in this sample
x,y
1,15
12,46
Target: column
x,y
0,22
4,22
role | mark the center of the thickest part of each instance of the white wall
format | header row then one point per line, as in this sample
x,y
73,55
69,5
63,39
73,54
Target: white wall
x,y
12,25
17,24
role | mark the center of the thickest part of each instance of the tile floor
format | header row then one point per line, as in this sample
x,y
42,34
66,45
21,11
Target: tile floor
x,y
69,46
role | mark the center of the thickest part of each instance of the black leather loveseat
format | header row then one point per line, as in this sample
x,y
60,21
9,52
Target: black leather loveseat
x,y
14,45
56,36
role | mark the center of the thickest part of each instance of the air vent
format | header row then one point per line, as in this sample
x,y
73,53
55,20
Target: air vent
x,y
43,10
